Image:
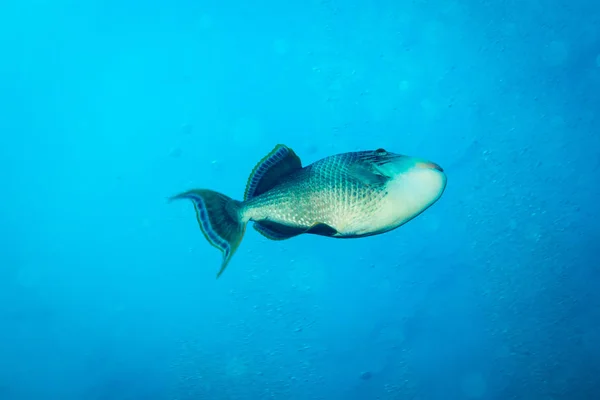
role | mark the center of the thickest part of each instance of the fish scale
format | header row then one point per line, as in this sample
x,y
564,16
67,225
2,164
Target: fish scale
x,y
324,192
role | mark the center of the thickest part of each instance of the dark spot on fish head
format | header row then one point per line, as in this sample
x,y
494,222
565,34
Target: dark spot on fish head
x,y
381,156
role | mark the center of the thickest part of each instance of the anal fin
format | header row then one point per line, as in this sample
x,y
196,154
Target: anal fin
x,y
275,231
322,230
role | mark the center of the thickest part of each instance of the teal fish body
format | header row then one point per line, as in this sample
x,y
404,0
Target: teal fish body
x,y
348,195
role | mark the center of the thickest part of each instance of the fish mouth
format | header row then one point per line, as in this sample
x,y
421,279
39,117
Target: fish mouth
x,y
429,165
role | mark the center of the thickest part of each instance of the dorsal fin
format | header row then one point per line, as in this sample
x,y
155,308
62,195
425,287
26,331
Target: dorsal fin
x,y
280,162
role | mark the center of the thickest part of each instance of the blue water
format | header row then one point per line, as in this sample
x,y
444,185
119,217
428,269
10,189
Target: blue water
x,y
109,107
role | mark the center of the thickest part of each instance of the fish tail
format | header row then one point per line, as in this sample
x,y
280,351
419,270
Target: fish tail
x,y
220,220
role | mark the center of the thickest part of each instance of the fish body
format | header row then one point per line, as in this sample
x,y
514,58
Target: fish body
x,y
348,195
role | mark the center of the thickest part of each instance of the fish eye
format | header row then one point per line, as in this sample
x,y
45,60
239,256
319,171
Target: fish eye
x,y
380,152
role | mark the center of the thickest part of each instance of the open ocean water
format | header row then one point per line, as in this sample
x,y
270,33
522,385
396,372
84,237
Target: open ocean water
x,y
108,292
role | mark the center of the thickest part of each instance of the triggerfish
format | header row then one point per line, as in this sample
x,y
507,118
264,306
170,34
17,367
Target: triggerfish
x,y
348,195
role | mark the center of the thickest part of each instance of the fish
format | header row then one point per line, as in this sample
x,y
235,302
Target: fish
x,y
347,195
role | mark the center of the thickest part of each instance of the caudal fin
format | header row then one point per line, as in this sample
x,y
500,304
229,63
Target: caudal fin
x,y
219,219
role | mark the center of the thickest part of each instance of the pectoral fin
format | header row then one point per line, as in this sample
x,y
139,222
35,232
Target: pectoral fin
x,y
367,175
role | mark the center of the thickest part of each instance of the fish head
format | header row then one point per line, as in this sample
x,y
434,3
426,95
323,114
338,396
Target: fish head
x,y
413,184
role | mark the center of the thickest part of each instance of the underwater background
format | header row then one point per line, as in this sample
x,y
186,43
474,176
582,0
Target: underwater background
x,y
109,107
